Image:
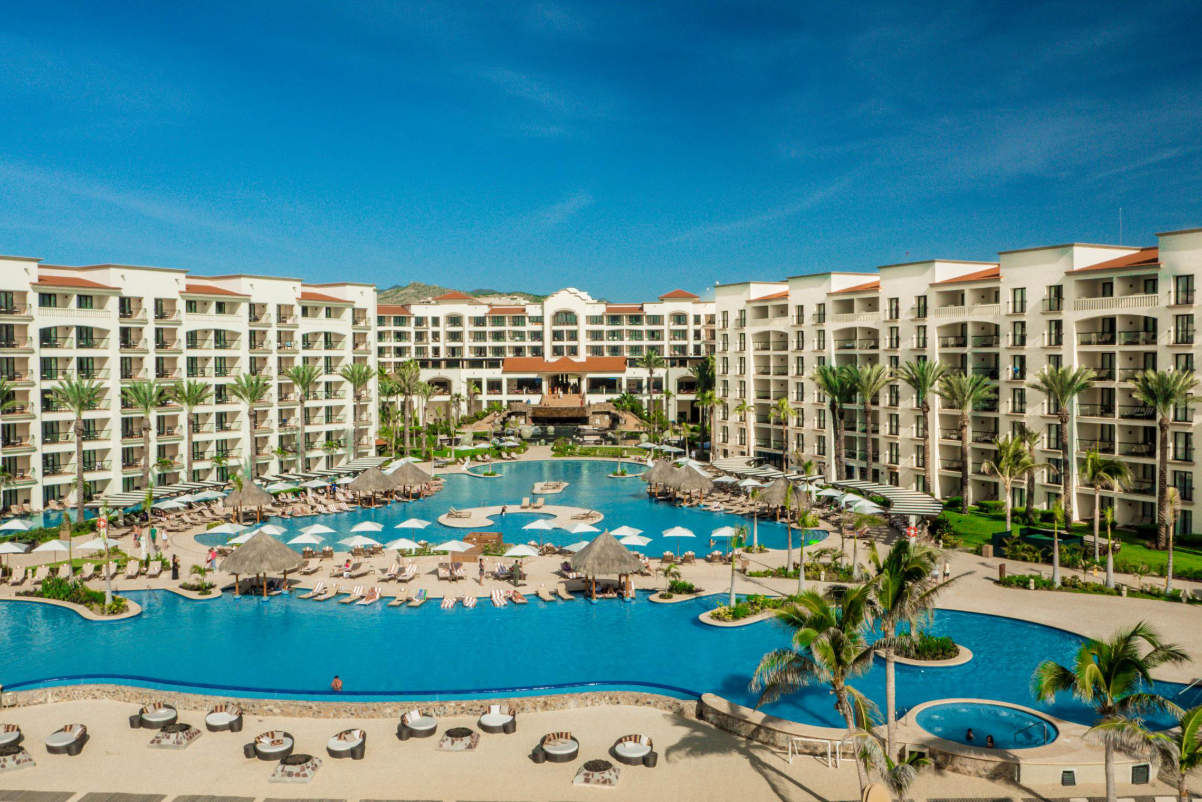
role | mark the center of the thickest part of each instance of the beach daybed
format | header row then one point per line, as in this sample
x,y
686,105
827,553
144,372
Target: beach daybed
x,y
498,719
224,718
416,724
68,741
10,735
557,747
348,743
635,750
153,716
270,745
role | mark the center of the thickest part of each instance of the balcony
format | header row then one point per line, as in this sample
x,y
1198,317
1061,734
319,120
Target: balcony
x,y
1137,337
949,434
1052,304
1092,411
1103,375
986,371
16,344
1137,412
1141,487
869,345
953,341
855,317
1144,450
972,310
985,340
1103,446
845,345
984,438
1097,337
1116,302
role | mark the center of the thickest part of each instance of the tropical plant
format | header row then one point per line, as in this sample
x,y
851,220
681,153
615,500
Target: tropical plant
x,y
425,391
144,397
707,400
1030,439
1108,517
1057,522
839,390
190,395
304,378
408,379
78,395
1009,464
1173,502
1101,472
783,411
828,647
1061,385
1164,391
1110,675
358,375
651,361
737,541
806,519
250,389
869,381
1180,749
923,377
963,392
473,390
705,373
747,410
456,408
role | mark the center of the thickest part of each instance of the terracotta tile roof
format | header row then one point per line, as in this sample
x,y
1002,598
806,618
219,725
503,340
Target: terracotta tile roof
x,y
322,298
872,285
506,310
392,309
592,364
1144,257
773,296
980,275
209,289
72,281
678,294
453,295
624,309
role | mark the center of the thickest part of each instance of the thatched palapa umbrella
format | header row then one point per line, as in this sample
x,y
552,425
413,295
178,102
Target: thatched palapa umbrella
x,y
605,556
372,481
262,554
409,476
774,494
248,494
657,474
689,480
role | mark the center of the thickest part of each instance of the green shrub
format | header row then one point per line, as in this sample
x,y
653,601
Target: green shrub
x,y
747,607
992,505
75,592
1075,584
953,503
928,647
680,586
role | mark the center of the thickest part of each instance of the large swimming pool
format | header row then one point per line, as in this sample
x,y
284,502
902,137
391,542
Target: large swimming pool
x,y
284,646
622,501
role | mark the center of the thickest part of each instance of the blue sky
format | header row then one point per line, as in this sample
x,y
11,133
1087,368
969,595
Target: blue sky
x,y
623,148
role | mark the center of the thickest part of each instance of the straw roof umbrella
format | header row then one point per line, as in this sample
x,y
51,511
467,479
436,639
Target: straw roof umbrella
x,y
372,481
657,473
688,480
262,554
605,556
774,494
409,476
248,494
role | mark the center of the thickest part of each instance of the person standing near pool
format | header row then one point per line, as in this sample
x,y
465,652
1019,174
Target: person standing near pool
x,y
480,562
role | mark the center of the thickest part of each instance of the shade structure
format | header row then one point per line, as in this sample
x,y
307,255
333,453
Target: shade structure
x,y
225,529
774,494
648,446
692,463
575,547
54,545
901,501
453,546
625,531
635,540
725,480
409,475
315,483
242,538
403,544
305,540
367,526
345,480
262,554
98,544
658,473
850,498
677,531
404,461
272,529
580,528
279,487
359,542
9,547
371,481
170,504
249,495
687,480
520,551
412,523
750,483
15,525
830,492
724,532
866,507
605,556
207,495
541,523
671,450
315,529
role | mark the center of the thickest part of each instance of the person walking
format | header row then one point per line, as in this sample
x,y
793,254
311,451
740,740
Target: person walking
x,y
480,562
175,567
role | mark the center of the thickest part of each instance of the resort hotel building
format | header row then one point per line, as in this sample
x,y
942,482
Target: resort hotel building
x,y
1118,310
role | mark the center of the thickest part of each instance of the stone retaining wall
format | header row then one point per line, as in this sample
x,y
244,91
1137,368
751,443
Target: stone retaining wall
x,y
756,726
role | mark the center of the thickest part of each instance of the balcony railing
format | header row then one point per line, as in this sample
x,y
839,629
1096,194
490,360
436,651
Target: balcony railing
x,y
1096,338
953,341
1137,412
1094,410
1137,337
1103,446
1116,302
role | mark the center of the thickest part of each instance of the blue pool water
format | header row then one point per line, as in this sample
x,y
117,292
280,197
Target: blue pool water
x,y
252,647
622,501
1010,728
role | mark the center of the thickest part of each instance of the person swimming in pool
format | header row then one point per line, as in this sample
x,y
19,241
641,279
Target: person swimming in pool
x,y
988,741
968,736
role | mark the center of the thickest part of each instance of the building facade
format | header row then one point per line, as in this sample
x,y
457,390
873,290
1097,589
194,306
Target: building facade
x,y
1118,310
116,324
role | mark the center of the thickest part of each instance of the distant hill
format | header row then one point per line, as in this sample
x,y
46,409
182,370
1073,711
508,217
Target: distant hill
x,y
415,291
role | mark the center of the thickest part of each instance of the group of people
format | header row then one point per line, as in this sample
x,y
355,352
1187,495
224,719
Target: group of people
x,y
970,736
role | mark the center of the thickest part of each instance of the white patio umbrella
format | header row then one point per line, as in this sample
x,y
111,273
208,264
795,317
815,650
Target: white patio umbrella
x,y
208,495
403,544
54,545
648,446
305,540
314,483
412,523
634,540
580,528
15,525
226,529
867,507
830,492
725,480
723,532
850,498
671,450
541,523
98,544
453,546
272,529
677,531
186,498
346,480
520,551
170,504
575,547
358,542
8,547
279,486
367,526
625,531
403,460
242,538
315,529
750,483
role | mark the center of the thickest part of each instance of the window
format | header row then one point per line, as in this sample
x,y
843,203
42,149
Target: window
x,y
1183,329
1183,289
820,313
894,309
1184,361
1055,332
1018,333
1018,367
1018,300
1054,302
1018,400
920,307
191,306
1151,286
83,302
47,300
920,337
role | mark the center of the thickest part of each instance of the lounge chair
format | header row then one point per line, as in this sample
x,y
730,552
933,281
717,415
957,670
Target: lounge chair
x,y
635,750
539,504
87,572
498,719
224,718
10,735
562,592
444,572
545,594
356,595
448,602
401,598
153,716
469,600
18,577
419,599
372,597
688,558
318,589
409,573
270,745
39,576
359,570
668,558
155,569
416,724
557,747
68,741
525,503
498,598
348,743
566,570
308,569
329,594
458,571
390,574
132,569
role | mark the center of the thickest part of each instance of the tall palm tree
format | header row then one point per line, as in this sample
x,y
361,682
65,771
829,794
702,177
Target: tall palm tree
x,y
963,392
869,381
829,647
705,373
456,408
190,395
905,593
1173,502
1180,749
1164,390
358,375
747,410
425,391
304,378
388,415
651,361
145,396
1110,676
707,400
1108,517
784,412
1030,438
78,395
250,389
473,390
408,379
1010,464
1061,386
1101,472
839,390
923,377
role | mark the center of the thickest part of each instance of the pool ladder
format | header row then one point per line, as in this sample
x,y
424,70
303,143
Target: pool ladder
x,y
1042,724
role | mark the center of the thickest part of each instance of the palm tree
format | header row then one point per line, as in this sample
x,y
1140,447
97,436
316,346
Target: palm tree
x,y
408,379
651,361
869,381
806,519
923,377
1057,522
737,541
250,389
305,378
473,390
425,391
1173,501
1011,463
456,407
829,647
783,411
145,397
1061,386
705,373
1101,472
1109,675
190,395
707,400
834,383
358,375
78,396
330,448
1030,439
388,412
747,409
1181,748
963,392
1108,517
1164,391
906,594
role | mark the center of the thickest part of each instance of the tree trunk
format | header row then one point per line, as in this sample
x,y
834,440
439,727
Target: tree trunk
x,y
302,446
840,444
964,488
405,413
891,694
801,563
1066,470
1111,792
789,547
929,468
145,453
1055,556
1030,510
845,709
1097,519
868,438
1168,573
733,562
79,500
1109,559
1006,490
1162,486
188,444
